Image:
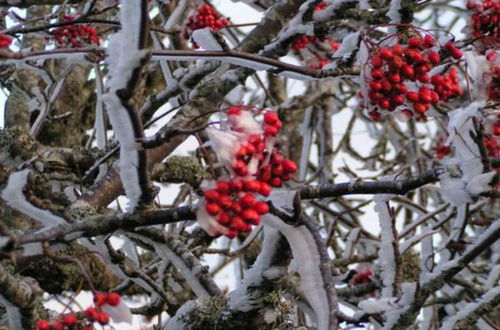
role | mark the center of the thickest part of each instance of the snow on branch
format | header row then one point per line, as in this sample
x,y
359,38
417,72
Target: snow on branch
x,y
254,62
389,255
14,197
126,58
313,263
462,179
470,313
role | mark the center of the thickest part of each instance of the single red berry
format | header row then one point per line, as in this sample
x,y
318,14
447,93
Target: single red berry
x,y
103,318
90,313
222,187
275,182
261,207
377,74
434,57
57,326
271,118
412,96
386,53
211,195
397,49
212,208
247,201
376,61
113,299
252,185
42,325
407,71
100,298
270,131
251,216
264,189
415,42
70,320
289,166
223,218
429,41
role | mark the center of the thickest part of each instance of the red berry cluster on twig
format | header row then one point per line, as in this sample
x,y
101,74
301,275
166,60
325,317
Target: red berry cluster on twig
x,y
232,207
485,22
5,41
400,77
492,76
315,50
85,319
74,35
205,16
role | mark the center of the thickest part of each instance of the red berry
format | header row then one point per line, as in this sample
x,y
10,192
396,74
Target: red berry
x,y
90,313
412,96
222,187
420,108
261,207
113,299
247,201
377,74
264,189
384,103
271,118
70,320
434,57
275,182
377,61
398,99
429,41
386,53
251,216
415,42
407,71
211,195
437,79
397,49
231,234
212,209
223,218
100,298
270,131
42,325
102,318
289,166
252,185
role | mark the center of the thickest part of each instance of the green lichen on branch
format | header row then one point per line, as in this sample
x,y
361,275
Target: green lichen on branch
x,y
56,276
17,143
180,169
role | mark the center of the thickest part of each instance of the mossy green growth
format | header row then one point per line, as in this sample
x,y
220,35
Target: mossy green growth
x,y
17,143
180,169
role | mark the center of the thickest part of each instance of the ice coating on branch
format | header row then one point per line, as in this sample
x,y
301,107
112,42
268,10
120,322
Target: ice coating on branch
x,y
120,313
179,320
489,296
463,178
394,14
180,265
348,46
386,253
206,39
246,297
125,56
14,197
408,290
373,306
13,313
307,258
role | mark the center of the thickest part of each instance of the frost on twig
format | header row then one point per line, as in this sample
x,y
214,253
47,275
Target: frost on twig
x,y
126,57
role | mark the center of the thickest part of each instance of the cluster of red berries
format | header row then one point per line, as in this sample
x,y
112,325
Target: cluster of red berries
x,y
5,41
255,165
485,21
85,320
493,75
399,77
74,35
314,50
491,139
205,16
